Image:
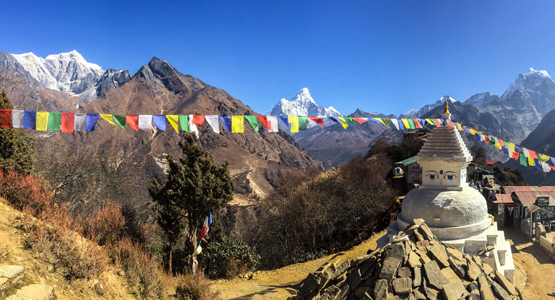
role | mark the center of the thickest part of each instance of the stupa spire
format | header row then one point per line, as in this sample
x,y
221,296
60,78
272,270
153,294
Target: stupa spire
x,y
446,111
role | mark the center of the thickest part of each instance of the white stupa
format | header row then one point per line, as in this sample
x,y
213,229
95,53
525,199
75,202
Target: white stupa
x,y
456,213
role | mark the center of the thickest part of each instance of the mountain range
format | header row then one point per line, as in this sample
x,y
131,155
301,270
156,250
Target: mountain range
x,y
256,159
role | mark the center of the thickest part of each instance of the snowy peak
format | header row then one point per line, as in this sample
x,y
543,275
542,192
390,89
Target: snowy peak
x,y
66,72
302,104
481,99
428,107
538,86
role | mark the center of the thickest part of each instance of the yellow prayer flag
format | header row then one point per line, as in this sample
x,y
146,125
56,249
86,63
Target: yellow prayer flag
x,y
343,122
531,161
511,146
109,119
42,120
543,157
174,121
237,124
406,123
294,121
381,121
497,144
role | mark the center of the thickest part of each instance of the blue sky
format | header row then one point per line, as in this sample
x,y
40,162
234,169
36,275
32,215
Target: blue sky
x,y
387,56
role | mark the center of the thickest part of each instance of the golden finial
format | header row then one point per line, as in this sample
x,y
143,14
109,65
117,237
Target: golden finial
x,y
446,107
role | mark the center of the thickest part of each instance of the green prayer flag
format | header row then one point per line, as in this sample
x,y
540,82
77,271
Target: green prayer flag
x,y
120,120
54,121
351,121
184,121
303,122
253,120
523,160
411,123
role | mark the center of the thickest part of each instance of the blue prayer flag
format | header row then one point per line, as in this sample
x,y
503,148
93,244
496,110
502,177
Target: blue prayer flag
x,y
227,122
91,121
159,122
285,120
29,119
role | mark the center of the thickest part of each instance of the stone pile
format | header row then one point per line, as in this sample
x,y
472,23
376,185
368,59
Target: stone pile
x,y
415,266
10,276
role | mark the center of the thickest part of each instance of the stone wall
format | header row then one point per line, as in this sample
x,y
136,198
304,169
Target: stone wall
x,y
525,226
546,245
540,230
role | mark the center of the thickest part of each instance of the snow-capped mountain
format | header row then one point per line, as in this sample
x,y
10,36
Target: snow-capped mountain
x,y
538,85
427,108
71,73
481,99
303,105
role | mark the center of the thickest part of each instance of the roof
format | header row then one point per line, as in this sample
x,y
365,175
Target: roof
x,y
510,188
529,198
503,198
444,143
406,161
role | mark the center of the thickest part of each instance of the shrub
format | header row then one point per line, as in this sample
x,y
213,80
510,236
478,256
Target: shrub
x,y
227,257
195,287
142,271
22,190
107,224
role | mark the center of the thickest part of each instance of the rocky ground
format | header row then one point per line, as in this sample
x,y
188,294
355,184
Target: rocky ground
x,y
534,273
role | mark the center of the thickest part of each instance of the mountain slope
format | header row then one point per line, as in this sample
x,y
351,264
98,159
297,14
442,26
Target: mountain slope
x,y
256,159
412,113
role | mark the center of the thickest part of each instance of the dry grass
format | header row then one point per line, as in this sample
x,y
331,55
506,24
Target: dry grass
x,y
195,287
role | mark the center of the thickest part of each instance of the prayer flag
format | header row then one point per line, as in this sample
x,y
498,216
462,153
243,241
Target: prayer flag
x,y
401,124
374,121
518,148
497,143
68,122
174,122
133,121
206,226
411,124
30,119
438,122
285,120
317,120
145,122
511,147
552,167
272,120
416,123
350,120
303,122
5,118
42,121
515,155
523,160
543,157
294,121
405,123
381,121
184,122
537,164
91,121
54,121
452,124
553,160
198,120
238,124
431,121
532,154
108,118
120,120
343,122
214,122
395,123
159,121
526,152
360,120
80,122
264,120
253,121
17,118
226,120
531,161
192,126
545,167
486,135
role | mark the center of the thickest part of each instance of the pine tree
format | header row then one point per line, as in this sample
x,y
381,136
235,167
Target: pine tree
x,y
16,146
195,186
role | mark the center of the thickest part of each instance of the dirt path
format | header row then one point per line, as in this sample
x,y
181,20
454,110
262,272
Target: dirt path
x,y
536,264
281,283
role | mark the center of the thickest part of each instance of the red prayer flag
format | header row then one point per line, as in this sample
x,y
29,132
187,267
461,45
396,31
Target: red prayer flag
x,y
133,121
6,118
438,124
516,155
359,120
532,154
416,123
317,120
198,120
68,122
501,142
452,124
552,167
264,120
